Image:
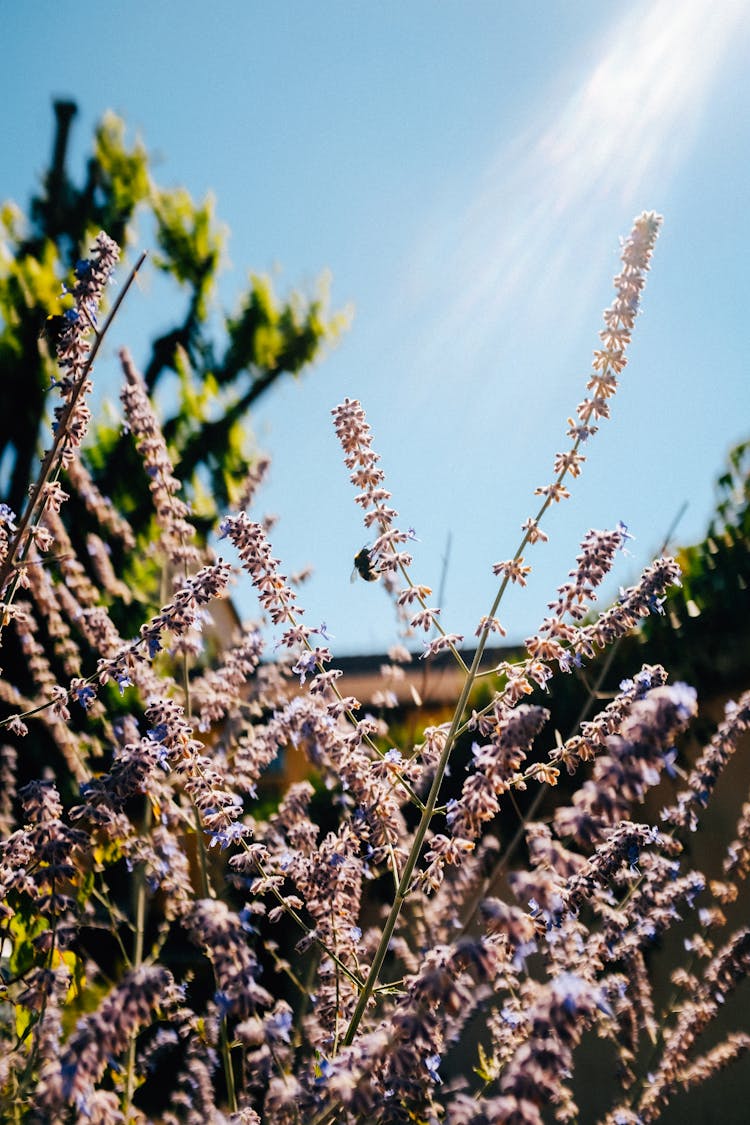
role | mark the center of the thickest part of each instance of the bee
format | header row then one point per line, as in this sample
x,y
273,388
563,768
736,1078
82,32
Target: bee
x,y
56,325
52,329
363,566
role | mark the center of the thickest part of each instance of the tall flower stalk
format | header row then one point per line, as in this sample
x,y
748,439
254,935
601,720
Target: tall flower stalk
x,y
609,361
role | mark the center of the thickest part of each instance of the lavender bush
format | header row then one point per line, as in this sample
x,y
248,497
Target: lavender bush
x,y
179,947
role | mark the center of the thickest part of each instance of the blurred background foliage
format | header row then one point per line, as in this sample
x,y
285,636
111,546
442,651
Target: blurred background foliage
x,y
705,636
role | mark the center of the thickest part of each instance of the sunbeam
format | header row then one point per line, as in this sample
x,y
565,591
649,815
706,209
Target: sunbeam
x,y
608,145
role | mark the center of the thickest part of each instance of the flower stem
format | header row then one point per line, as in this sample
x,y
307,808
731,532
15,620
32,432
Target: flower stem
x,y
140,927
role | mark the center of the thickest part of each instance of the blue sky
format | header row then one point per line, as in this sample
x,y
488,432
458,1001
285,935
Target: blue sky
x,y
464,170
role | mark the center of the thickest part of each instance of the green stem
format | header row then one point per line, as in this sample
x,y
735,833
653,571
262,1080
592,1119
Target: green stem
x,y
226,1059
414,853
200,840
138,944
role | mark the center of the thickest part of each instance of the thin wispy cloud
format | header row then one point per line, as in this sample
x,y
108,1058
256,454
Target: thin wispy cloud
x,y
599,150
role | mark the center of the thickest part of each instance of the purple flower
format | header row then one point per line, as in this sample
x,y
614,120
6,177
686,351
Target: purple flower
x,y
223,1002
246,917
624,534
279,1024
123,680
305,666
670,757
323,1070
569,989
162,757
85,695
512,1018
684,699
432,1062
8,517
224,837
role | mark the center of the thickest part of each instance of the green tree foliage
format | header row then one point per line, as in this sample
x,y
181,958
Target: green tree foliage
x,y
217,383
215,366
704,636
